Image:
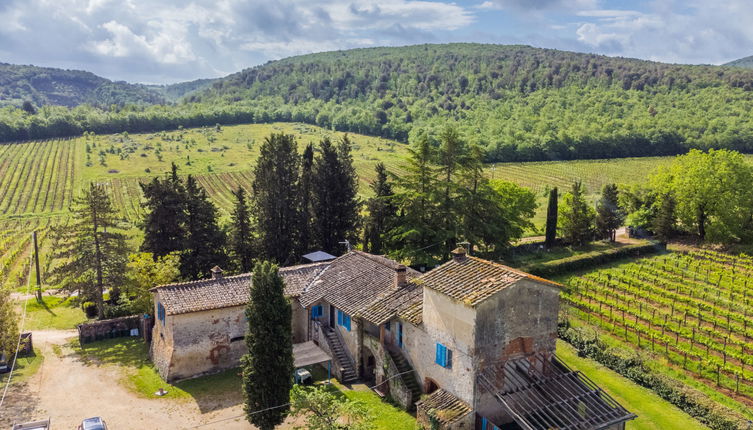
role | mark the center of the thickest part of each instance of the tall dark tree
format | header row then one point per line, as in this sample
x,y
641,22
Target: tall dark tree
x,y
307,165
204,245
92,248
609,215
164,222
276,199
241,240
381,212
664,223
576,216
551,218
268,366
414,236
451,156
335,202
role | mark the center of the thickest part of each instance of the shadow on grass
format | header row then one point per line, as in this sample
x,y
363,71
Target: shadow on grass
x,y
124,351
213,392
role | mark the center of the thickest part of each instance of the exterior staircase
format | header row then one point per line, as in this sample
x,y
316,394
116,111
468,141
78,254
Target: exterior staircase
x,y
342,359
408,378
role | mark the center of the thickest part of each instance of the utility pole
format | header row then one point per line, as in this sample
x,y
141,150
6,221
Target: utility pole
x,y
36,264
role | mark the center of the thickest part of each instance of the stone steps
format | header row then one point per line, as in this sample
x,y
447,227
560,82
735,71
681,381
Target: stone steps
x,y
409,379
341,357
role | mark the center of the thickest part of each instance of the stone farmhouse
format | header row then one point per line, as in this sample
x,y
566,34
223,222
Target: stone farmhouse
x,y
469,344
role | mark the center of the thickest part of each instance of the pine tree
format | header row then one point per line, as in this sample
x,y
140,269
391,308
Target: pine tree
x,y
551,218
609,215
204,245
381,212
335,203
241,241
664,223
307,165
414,236
268,367
164,222
94,253
276,199
576,216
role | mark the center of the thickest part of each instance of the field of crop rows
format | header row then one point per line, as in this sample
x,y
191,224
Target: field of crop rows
x,y
693,308
16,247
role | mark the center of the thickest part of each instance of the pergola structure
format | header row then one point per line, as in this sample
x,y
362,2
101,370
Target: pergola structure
x,y
308,354
542,393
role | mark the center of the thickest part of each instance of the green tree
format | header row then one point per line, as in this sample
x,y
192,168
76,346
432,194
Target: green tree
x,y
551,218
609,215
713,194
324,410
307,166
381,212
8,323
276,199
241,240
664,223
576,216
414,236
267,368
335,192
165,219
204,245
145,271
451,156
91,248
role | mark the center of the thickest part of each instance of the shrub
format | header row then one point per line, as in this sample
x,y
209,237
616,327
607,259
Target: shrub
x,y
590,259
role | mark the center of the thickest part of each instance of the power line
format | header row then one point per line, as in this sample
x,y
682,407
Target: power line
x,y
18,345
288,404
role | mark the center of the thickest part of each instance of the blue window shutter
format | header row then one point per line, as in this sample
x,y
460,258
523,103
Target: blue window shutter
x,y
484,423
339,317
347,322
438,355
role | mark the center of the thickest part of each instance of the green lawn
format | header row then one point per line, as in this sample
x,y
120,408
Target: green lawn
x,y
654,413
53,313
385,416
25,368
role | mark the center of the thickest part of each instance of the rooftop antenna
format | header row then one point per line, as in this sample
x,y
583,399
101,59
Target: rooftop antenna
x,y
346,242
466,245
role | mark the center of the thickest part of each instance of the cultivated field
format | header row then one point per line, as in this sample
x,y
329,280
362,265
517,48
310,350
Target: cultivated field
x,y
691,308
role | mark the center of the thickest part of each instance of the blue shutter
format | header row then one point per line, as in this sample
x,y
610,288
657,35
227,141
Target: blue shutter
x,y
439,354
339,317
347,322
161,313
316,311
400,334
484,423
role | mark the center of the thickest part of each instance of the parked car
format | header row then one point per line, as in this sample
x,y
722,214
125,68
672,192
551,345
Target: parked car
x,y
4,368
36,425
94,423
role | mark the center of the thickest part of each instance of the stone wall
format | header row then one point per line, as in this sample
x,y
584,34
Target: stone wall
x,y
107,329
387,371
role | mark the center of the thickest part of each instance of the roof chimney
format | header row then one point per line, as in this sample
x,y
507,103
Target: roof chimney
x,y
400,278
458,254
216,272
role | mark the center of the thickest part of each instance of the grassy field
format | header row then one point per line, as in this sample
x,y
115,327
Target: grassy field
x,y
53,313
654,413
24,369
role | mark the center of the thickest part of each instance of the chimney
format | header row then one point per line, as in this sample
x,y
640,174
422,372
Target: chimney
x,y
400,279
458,254
216,272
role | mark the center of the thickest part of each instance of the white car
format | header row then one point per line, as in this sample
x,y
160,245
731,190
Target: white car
x,y
94,423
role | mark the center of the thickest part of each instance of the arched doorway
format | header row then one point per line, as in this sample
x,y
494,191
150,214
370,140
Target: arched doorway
x,y
430,385
368,361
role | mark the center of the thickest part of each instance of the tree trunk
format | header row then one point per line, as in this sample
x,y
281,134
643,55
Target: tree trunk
x,y
702,223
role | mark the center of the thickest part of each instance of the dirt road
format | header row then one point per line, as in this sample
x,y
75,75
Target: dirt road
x,y
67,390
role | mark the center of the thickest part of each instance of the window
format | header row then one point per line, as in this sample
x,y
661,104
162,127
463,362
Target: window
x,y
387,326
316,312
236,339
486,425
343,319
161,313
400,334
443,356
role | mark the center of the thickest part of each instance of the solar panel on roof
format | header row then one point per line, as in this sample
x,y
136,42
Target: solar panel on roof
x,y
318,256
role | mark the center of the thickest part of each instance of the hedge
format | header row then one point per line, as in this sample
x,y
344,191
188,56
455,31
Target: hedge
x,y
628,364
591,259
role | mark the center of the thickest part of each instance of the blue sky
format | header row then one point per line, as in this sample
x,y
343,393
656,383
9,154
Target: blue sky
x,y
162,41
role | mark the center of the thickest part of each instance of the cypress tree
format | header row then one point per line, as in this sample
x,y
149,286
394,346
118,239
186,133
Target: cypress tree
x,y
205,241
335,192
609,215
451,156
664,223
551,218
267,369
307,165
276,199
381,212
164,222
241,240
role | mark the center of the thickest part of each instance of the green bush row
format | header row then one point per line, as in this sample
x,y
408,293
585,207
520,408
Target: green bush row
x,y
590,259
631,366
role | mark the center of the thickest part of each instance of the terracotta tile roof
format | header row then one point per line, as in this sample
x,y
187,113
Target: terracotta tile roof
x,y
206,294
394,303
444,407
472,280
354,281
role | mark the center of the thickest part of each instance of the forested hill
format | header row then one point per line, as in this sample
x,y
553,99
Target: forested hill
x,y
746,62
518,102
50,86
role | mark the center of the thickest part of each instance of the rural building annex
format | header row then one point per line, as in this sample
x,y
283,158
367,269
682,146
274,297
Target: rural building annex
x,y
476,337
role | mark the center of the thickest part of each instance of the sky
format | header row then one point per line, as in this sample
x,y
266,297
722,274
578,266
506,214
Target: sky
x,y
161,41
